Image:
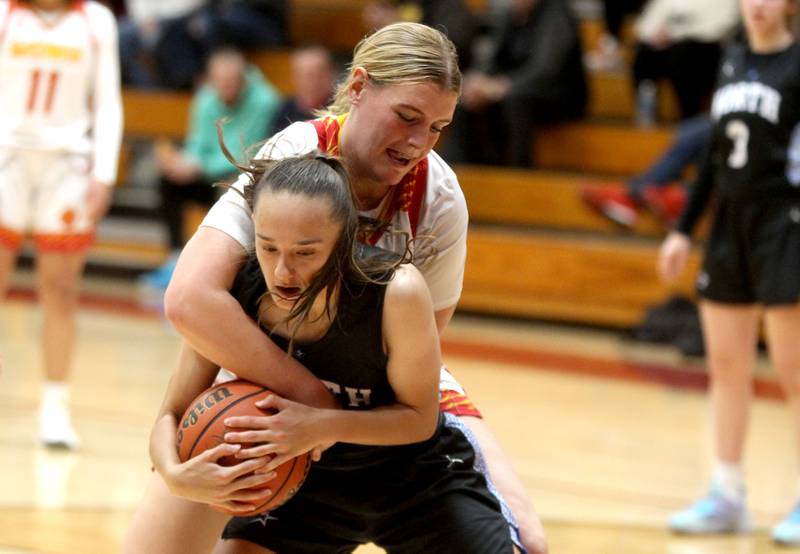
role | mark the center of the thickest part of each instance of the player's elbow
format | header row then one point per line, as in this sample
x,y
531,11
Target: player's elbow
x,y
179,298
427,426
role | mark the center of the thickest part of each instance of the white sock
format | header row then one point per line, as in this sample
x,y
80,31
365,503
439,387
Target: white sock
x,y
55,391
729,480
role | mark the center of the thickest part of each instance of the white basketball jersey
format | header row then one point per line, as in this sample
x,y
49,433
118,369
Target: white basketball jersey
x,y
59,82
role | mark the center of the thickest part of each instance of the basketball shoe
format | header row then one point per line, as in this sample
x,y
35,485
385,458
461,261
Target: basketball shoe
x,y
55,425
787,532
613,202
712,514
666,202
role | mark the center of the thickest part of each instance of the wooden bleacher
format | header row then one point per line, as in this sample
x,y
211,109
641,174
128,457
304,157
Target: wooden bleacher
x,y
557,276
535,250
541,199
155,114
605,148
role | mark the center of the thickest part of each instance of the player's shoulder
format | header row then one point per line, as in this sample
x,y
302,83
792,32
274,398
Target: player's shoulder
x,y
295,140
407,288
443,192
99,14
439,171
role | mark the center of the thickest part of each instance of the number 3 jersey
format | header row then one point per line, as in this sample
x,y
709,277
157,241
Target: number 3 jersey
x,y
755,148
59,82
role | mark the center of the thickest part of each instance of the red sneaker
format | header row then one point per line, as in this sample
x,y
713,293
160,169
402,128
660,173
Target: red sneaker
x,y
666,202
613,202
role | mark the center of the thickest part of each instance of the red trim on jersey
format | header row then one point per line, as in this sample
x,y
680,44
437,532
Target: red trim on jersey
x,y
75,5
457,403
407,196
11,6
10,239
71,242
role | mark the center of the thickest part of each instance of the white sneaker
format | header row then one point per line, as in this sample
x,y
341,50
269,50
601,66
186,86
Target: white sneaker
x,y
712,514
787,532
55,426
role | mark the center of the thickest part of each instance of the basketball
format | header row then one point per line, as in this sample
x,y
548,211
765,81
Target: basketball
x,y
202,427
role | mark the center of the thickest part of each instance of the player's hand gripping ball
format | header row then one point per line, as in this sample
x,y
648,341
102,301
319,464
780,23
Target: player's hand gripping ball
x,y
202,427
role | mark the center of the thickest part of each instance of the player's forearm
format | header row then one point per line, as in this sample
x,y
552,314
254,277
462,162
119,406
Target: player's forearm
x,y
213,322
163,451
384,426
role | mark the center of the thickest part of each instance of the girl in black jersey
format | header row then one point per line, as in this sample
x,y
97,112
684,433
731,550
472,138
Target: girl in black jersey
x,y
399,474
752,260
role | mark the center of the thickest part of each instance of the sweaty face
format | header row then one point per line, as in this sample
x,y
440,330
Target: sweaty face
x,y
295,235
391,128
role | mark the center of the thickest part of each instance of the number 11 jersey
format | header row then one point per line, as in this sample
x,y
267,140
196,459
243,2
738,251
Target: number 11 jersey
x,y
59,82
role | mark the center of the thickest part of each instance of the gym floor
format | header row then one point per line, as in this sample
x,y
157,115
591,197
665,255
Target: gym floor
x,y
609,437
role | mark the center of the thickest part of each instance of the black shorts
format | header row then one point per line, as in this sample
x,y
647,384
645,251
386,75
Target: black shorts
x,y
753,253
430,497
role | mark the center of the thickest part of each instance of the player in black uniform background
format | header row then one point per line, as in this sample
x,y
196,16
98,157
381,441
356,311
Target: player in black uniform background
x,y
752,259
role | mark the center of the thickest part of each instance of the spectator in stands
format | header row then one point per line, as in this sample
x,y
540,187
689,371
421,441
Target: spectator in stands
x,y
247,24
451,16
162,44
314,80
534,76
680,41
607,56
656,188
60,133
235,94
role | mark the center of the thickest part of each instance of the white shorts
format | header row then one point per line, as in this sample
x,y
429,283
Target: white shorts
x,y
43,194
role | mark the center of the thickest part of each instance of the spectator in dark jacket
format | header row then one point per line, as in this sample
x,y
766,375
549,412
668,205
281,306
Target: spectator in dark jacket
x,y
451,16
533,76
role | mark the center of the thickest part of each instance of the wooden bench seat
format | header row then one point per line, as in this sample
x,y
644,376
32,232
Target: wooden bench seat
x,y
604,281
155,114
542,199
611,96
596,147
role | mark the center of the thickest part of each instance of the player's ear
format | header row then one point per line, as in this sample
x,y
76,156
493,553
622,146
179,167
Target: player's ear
x,y
358,83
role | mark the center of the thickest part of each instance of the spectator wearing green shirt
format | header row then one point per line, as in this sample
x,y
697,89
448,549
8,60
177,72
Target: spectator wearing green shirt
x,y
236,93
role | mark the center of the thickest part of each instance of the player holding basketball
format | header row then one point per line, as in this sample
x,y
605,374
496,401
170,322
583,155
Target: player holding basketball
x,y
60,132
401,474
401,91
752,259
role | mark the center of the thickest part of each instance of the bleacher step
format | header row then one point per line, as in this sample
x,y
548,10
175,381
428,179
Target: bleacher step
x,y
602,280
535,198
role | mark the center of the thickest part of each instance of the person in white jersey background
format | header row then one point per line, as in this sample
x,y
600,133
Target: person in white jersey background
x,y
60,132
400,92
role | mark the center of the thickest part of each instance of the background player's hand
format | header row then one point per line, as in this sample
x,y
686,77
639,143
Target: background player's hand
x,y
673,256
203,479
293,430
98,199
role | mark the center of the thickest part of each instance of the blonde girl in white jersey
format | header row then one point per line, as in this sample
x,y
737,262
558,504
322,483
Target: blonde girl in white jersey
x,y
60,132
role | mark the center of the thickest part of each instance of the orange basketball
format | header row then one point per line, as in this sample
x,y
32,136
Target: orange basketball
x,y
202,427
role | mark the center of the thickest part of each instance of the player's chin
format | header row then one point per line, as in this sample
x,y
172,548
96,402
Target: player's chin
x,y
392,173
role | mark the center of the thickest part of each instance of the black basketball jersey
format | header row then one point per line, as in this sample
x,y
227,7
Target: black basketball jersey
x,y
754,153
349,358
